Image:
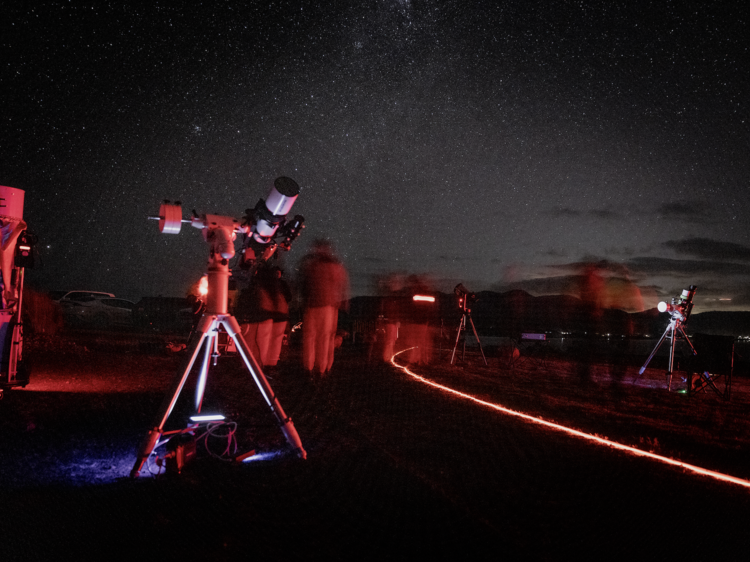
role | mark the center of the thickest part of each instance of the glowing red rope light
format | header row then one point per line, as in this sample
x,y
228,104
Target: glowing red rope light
x,y
575,432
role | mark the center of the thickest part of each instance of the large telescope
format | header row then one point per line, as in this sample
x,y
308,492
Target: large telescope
x,y
263,228
15,255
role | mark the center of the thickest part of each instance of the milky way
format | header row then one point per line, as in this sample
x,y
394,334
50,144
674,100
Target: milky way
x,y
496,144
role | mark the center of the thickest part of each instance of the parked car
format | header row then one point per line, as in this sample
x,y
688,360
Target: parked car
x,y
164,314
96,309
61,296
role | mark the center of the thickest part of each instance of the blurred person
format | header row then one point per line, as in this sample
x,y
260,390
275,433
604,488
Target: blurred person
x,y
41,315
617,353
392,306
373,340
606,301
624,297
418,316
592,294
324,290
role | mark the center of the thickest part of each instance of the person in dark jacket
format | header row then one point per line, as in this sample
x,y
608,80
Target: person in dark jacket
x,y
262,310
281,296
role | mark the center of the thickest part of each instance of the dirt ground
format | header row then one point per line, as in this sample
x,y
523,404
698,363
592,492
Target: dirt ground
x,y
395,469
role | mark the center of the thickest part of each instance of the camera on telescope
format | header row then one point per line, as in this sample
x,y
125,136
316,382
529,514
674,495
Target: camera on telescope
x,y
681,306
266,226
465,297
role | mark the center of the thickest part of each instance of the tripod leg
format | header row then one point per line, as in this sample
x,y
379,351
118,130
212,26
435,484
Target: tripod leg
x,y
687,339
200,388
285,422
477,337
672,344
170,399
658,345
458,337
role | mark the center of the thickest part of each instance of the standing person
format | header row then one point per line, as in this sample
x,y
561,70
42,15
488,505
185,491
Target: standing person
x,y
254,311
592,293
281,295
419,316
324,289
393,304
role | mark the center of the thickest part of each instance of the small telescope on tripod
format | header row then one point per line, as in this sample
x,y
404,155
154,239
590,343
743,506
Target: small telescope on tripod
x,y
466,300
265,229
679,310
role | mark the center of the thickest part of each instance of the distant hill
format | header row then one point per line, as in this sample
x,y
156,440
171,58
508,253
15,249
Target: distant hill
x,y
516,311
721,323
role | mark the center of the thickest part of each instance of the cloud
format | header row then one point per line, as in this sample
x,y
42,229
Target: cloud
x,y
613,291
565,212
456,258
603,214
555,253
563,284
569,213
603,266
692,210
709,249
665,266
741,299
624,251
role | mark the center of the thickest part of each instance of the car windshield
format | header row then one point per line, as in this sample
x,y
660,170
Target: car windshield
x,y
81,298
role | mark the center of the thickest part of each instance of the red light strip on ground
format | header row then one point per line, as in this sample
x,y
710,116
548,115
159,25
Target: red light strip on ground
x,y
575,432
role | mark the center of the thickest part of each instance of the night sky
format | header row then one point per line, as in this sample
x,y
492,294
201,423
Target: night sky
x,y
497,144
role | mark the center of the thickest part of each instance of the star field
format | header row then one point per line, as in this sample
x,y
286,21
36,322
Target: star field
x,y
496,144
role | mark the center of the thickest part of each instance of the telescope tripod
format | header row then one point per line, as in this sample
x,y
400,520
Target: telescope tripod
x,y
213,318
462,328
674,329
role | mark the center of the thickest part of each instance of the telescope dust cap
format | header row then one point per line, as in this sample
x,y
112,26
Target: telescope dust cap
x,y
282,196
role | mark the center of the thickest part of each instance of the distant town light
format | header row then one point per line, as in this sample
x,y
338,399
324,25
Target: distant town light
x,y
423,298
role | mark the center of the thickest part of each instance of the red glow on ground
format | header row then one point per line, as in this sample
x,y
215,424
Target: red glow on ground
x,y
575,432
111,382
